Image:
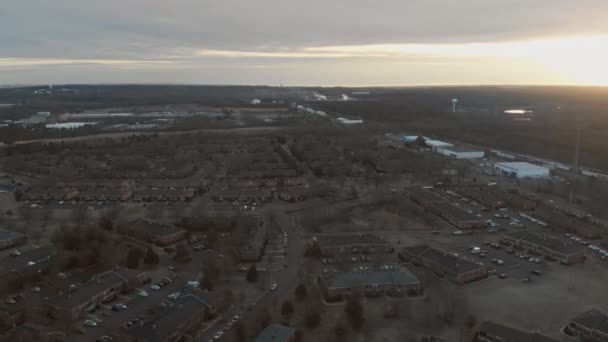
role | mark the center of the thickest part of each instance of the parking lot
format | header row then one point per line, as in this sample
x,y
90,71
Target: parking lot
x,y
506,261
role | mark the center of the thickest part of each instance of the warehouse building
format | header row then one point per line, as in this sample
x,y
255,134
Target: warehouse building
x,y
336,286
453,267
564,251
521,170
461,152
591,325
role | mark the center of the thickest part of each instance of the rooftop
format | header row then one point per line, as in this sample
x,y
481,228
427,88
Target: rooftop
x,y
154,229
593,319
359,279
353,239
275,333
168,321
457,212
463,148
510,334
566,247
520,166
88,290
423,195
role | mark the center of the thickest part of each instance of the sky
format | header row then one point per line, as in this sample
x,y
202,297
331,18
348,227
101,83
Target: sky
x,y
305,43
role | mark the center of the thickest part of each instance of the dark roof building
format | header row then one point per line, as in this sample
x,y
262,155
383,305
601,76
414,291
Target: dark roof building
x,y
78,299
454,267
336,285
156,233
352,243
591,325
276,333
494,332
563,250
180,320
457,216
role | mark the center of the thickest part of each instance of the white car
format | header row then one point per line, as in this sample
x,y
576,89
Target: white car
x,y
90,323
218,335
174,295
274,287
458,232
155,287
142,294
35,289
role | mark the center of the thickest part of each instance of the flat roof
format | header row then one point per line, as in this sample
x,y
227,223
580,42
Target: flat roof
x,y
88,290
511,334
457,212
150,228
351,239
169,320
566,247
462,148
593,319
453,263
521,166
437,143
275,333
359,279
423,195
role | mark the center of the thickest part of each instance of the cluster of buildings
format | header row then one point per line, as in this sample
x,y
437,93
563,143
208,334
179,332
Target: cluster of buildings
x,y
111,193
336,286
565,251
442,207
451,266
447,149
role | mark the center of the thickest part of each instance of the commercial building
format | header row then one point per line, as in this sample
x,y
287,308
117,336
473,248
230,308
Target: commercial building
x,y
453,267
457,216
494,332
155,233
75,301
425,197
461,152
338,285
10,239
180,321
437,144
351,244
591,325
277,333
563,250
521,170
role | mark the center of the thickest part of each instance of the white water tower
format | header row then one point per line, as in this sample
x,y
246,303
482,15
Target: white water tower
x,y
454,102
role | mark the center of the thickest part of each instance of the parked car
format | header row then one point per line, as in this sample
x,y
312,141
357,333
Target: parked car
x,y
90,323
174,295
142,294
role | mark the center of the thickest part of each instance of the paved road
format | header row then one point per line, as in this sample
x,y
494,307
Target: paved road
x,y
287,279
